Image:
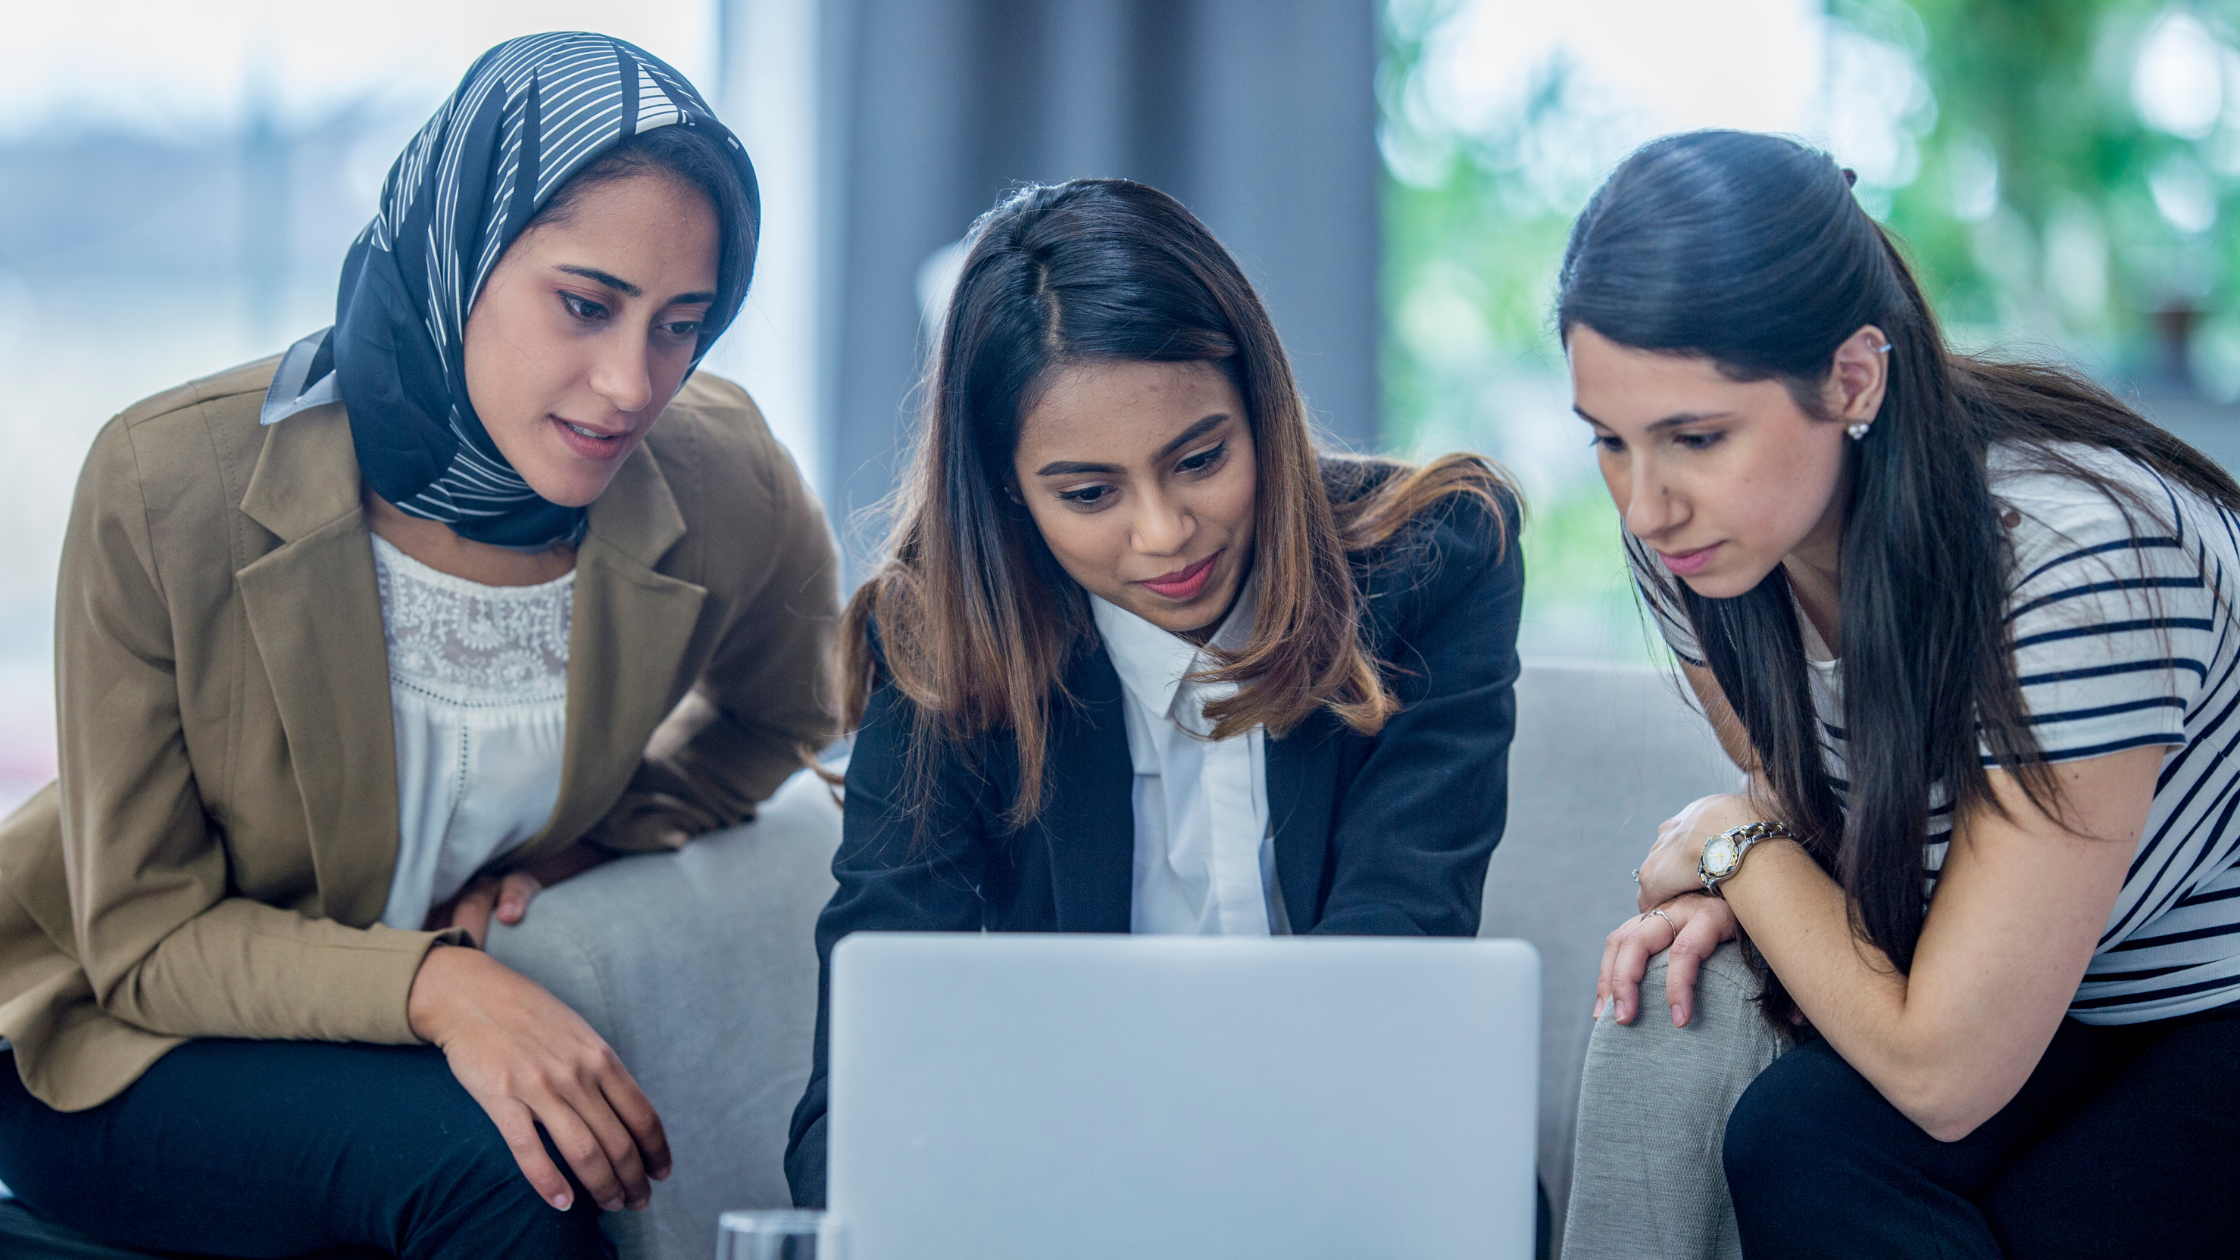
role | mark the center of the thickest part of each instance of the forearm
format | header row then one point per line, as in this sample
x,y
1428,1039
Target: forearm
x,y
2021,901
703,771
1946,1067
245,969
739,759
713,784
1418,823
739,735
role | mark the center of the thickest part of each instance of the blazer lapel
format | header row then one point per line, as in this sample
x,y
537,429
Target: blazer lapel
x,y
314,612
1088,823
631,627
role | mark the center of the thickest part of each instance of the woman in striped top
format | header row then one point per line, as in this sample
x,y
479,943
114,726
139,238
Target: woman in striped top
x,y
1969,628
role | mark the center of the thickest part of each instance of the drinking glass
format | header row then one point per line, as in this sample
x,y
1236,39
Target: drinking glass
x,y
784,1234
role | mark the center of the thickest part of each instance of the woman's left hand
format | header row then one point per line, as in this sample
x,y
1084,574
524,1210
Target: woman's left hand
x,y
1686,930
506,896
1673,865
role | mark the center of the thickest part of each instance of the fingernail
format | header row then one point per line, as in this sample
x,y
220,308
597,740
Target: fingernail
x,y
1678,1020
562,1201
1598,1009
611,1205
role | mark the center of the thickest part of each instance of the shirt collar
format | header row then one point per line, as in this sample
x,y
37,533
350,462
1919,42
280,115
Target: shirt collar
x,y
1151,662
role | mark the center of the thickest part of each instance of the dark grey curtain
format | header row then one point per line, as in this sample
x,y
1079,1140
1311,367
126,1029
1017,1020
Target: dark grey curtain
x,y
1258,114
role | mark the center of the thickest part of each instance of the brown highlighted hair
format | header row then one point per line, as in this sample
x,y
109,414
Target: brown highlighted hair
x,y
976,621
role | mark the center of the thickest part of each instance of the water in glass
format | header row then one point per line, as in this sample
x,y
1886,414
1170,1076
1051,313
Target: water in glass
x,y
776,1235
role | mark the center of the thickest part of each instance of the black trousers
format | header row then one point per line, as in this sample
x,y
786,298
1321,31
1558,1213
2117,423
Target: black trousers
x,y
287,1148
2121,1144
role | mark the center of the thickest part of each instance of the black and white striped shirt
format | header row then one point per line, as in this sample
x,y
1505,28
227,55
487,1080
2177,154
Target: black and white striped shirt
x,y
2124,635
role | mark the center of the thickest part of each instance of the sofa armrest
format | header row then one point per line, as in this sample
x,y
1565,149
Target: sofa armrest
x,y
1603,754
699,967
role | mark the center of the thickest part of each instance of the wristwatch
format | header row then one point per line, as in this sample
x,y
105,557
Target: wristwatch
x,y
1723,853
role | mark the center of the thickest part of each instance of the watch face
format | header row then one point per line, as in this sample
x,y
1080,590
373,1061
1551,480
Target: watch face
x,y
1718,856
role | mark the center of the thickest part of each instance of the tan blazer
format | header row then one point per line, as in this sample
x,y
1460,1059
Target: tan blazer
x,y
217,852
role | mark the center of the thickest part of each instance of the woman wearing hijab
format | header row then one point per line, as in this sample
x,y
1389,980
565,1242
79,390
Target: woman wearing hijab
x,y
362,647
1142,658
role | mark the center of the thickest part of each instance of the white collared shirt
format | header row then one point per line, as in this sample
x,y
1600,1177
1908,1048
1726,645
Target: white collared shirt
x,y
1205,865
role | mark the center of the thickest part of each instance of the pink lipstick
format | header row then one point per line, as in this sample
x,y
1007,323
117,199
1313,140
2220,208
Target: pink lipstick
x,y
1183,585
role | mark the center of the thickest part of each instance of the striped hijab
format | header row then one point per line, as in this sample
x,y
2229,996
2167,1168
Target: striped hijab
x,y
530,113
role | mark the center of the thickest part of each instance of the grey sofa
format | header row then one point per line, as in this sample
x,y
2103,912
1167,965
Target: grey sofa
x,y
698,966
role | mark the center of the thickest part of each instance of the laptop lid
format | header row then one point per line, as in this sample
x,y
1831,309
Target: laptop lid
x,y
1034,1097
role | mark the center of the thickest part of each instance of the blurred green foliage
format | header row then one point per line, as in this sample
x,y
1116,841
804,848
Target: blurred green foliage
x,y
1471,246
2038,99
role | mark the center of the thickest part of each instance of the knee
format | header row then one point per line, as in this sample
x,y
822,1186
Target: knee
x,y
474,1158
470,1187
474,1172
1725,1007
1782,1121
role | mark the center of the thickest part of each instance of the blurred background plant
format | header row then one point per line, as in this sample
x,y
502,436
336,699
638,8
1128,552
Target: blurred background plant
x,y
2058,169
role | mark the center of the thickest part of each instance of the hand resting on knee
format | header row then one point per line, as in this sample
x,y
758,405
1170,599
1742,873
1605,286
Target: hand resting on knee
x,y
529,1060
1689,926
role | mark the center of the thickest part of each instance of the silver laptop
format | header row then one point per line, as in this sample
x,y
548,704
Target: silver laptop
x,y
1029,1097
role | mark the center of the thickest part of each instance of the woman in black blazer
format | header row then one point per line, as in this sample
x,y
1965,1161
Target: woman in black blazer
x,y
1142,658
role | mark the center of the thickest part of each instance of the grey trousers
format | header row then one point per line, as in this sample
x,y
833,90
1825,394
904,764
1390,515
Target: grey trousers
x,y
1646,1181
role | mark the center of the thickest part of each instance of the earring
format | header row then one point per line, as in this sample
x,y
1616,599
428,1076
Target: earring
x,y
1858,431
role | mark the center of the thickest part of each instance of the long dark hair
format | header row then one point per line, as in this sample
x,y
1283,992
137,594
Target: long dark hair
x,y
976,619
1751,251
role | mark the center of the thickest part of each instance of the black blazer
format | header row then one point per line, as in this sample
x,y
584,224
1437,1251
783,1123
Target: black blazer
x,y
1374,835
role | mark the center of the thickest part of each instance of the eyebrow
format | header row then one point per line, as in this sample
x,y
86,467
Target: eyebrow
x,y
627,289
1068,468
596,276
1673,421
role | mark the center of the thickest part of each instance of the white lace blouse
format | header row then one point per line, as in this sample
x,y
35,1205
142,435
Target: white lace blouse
x,y
478,684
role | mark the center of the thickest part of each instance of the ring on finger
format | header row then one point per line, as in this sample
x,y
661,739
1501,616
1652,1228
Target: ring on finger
x,y
1659,912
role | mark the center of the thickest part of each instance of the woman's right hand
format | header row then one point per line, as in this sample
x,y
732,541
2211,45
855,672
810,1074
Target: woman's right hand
x,y
529,1060
1691,926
